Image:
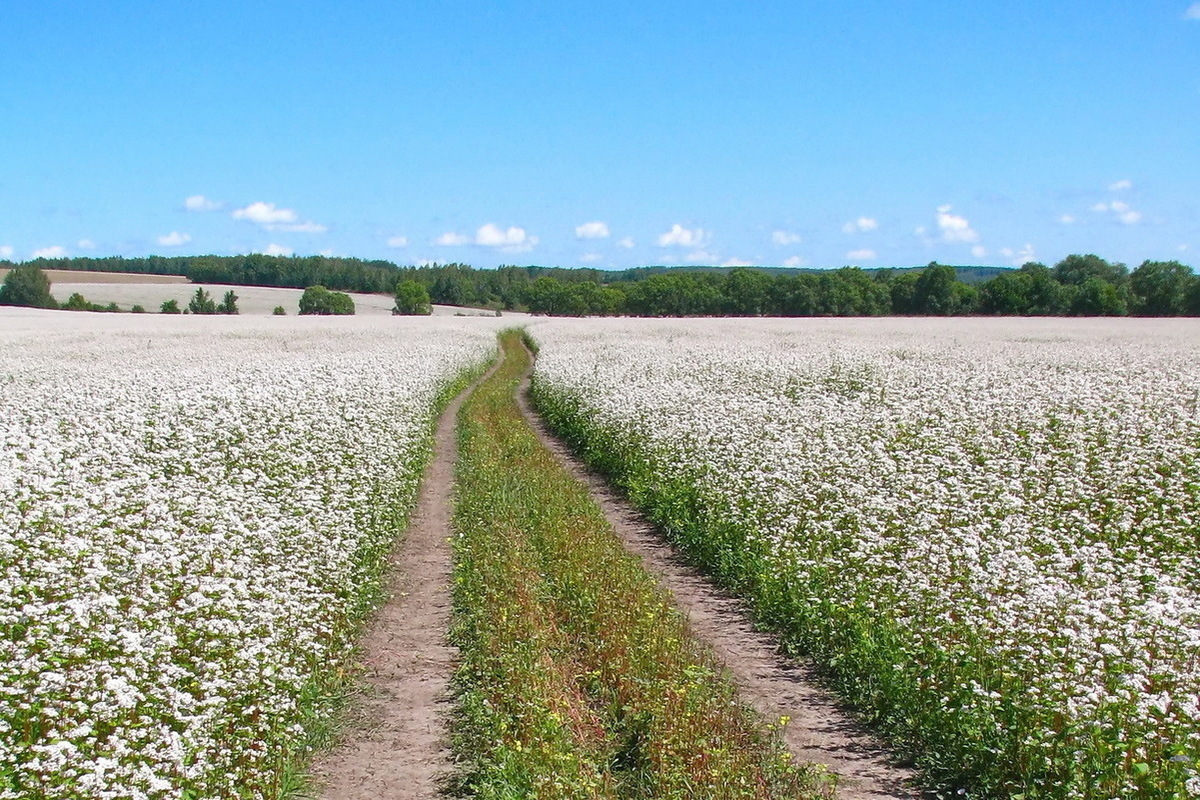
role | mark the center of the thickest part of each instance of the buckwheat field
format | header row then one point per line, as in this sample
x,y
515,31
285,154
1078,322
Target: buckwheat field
x,y
986,533
193,518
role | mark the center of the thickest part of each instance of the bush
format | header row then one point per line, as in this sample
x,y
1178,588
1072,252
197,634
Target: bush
x,y
319,300
170,307
137,308
279,311
202,302
27,286
228,303
412,299
77,302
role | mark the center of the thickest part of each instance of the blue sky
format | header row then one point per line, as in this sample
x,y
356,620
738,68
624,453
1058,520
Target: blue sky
x,y
603,134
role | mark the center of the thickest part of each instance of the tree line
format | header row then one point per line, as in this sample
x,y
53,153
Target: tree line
x,y
1083,285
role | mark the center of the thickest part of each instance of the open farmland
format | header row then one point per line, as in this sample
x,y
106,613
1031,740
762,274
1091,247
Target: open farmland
x,y
193,515
985,532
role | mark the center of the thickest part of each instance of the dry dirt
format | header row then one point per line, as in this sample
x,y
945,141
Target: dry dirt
x,y
396,747
79,276
820,731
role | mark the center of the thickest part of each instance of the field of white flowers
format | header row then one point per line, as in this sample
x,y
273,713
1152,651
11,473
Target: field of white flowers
x,y
987,532
193,515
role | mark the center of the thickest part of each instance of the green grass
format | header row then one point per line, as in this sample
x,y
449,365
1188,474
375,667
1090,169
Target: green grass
x,y
578,677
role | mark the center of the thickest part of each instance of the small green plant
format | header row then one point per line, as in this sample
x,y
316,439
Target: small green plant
x,y
279,311
228,304
202,302
170,307
137,308
319,300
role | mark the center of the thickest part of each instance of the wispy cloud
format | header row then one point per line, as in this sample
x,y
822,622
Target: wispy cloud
x,y
590,258
451,239
6,251
276,250
979,251
1066,219
860,225
796,261
1120,210
592,230
54,251
199,202
784,238
857,256
86,244
627,243
1121,185
1193,11
397,241
1019,257
271,218
955,228
680,236
702,257
174,239
737,262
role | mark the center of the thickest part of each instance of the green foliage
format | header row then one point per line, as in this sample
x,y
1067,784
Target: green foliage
x,y
228,304
27,285
412,299
77,302
320,301
1096,297
279,311
1161,288
578,677
202,302
1075,270
170,307
137,308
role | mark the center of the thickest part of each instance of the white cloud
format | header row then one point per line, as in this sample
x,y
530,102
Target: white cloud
x,y
701,256
451,239
1066,219
6,251
1120,185
979,251
627,243
590,258
174,239
954,228
737,262
592,230
54,251
796,261
1120,210
680,236
785,237
1019,257
199,202
277,250
510,240
397,241
277,219
86,244
1193,11
327,252
860,225
862,255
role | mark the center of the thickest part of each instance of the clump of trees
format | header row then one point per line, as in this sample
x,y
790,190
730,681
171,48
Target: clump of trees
x,y
319,300
412,299
27,285
202,303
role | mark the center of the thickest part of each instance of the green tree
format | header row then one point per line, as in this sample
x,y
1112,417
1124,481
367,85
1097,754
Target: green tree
x,y
28,286
170,307
320,301
412,299
938,292
202,302
1097,297
1160,288
279,311
1074,270
747,292
228,304
77,302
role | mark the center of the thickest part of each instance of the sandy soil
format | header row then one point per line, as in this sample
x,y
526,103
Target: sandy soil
x,y
396,747
819,731
78,276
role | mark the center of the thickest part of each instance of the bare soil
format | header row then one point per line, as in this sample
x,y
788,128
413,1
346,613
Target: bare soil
x,y
396,745
819,730
80,276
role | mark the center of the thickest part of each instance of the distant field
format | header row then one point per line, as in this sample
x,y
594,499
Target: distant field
x,y
151,291
73,276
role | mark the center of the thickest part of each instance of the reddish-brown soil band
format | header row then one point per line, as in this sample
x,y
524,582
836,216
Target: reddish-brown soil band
x,y
819,730
397,745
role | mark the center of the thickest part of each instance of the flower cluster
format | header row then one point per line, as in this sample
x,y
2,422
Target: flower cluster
x,y
986,531
193,514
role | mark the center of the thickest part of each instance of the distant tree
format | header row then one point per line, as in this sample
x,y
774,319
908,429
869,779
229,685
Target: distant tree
x,y
1160,288
137,308
1097,297
228,304
320,301
279,311
903,292
412,299
1074,270
747,292
113,307
77,302
934,292
202,302
28,286
170,307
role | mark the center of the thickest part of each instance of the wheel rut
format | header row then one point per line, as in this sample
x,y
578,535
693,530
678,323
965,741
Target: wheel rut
x,y
397,746
819,730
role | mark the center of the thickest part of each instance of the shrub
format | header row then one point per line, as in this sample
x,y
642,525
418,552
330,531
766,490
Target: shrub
x,y
228,303
279,311
412,299
202,302
170,307
319,300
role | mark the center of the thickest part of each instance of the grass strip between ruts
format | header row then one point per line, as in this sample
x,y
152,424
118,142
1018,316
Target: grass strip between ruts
x,y
578,677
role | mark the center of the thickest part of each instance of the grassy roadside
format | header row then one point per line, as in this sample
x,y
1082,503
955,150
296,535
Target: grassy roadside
x,y
578,678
